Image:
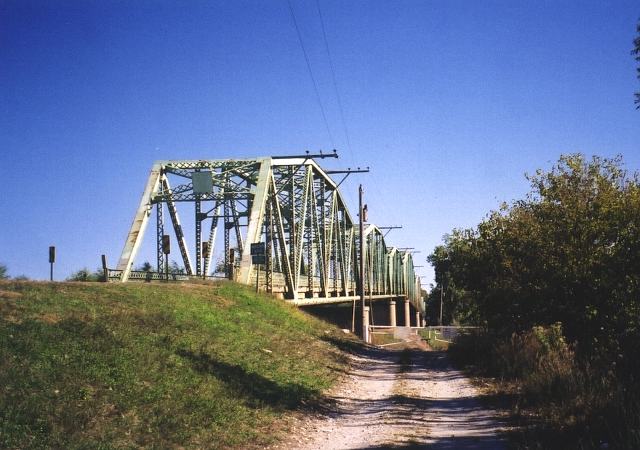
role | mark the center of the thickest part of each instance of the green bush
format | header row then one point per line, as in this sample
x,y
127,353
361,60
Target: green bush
x,y
572,400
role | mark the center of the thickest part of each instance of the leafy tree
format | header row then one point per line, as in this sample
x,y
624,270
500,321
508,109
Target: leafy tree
x,y
176,268
22,278
85,274
145,267
566,253
564,258
4,275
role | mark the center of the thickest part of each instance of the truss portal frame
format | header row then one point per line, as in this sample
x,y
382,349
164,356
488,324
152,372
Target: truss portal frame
x,y
293,206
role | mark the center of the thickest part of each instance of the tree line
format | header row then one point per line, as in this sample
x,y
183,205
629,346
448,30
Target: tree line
x,y
554,279
569,252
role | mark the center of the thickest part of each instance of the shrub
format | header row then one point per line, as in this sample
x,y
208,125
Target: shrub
x,y
85,274
3,272
570,398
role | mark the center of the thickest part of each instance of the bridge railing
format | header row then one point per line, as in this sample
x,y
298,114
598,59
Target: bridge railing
x,y
140,275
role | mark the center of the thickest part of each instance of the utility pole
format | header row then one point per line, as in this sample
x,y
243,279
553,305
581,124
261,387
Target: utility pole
x,y
441,295
365,328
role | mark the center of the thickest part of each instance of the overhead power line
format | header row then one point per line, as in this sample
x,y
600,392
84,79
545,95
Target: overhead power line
x,y
333,77
313,80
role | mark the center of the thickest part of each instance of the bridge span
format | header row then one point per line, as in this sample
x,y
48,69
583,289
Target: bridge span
x,y
305,239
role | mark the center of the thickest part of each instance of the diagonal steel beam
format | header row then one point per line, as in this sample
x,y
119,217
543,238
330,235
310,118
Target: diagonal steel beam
x,y
177,227
140,222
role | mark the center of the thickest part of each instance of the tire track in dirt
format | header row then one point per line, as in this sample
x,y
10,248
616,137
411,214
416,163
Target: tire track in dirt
x,y
408,398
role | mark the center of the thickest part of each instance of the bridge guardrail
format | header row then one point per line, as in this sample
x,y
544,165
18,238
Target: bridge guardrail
x,y
139,275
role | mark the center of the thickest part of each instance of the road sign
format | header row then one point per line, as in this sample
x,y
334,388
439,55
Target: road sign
x,y
52,259
258,259
258,249
166,244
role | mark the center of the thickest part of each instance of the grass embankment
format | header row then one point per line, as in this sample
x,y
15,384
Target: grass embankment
x,y
103,365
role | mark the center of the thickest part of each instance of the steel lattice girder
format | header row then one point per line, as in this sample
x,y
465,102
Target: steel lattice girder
x,y
291,204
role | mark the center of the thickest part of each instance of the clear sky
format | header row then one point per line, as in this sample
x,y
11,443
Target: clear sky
x,y
448,102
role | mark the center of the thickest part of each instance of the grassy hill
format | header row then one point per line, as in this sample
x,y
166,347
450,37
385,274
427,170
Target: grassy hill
x,y
97,365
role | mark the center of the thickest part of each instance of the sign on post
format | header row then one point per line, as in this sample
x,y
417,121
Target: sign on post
x,y
52,259
258,253
166,244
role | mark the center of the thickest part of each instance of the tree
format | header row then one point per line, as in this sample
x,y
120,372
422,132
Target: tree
x,y
3,272
85,274
566,253
145,267
636,52
176,268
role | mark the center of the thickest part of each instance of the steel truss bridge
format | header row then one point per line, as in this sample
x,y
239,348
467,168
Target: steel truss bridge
x,y
292,206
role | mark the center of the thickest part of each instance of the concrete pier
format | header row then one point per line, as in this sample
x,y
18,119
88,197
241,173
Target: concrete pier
x,y
407,313
392,313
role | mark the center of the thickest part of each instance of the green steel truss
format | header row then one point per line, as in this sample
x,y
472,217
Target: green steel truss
x,y
292,206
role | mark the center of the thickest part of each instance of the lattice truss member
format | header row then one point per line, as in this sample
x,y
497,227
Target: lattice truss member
x,y
291,205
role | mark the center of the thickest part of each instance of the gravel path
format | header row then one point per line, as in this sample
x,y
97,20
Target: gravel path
x,y
396,399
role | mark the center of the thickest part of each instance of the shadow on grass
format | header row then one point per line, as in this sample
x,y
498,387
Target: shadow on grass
x,y
254,389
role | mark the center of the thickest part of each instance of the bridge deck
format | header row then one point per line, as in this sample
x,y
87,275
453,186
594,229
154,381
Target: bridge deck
x,y
346,299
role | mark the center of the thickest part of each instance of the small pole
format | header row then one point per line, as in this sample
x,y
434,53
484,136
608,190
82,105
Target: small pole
x,y
52,259
105,271
353,316
257,278
441,295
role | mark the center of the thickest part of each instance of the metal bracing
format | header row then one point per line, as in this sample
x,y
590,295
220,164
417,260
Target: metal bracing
x,y
177,226
198,234
140,221
293,206
213,231
160,256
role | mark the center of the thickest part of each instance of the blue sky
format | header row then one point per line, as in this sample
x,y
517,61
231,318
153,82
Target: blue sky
x,y
448,102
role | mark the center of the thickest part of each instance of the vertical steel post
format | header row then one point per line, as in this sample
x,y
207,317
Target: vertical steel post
x,y
293,256
160,233
105,270
198,205
257,277
225,207
269,268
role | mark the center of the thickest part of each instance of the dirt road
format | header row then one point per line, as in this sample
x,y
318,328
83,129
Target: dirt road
x,y
401,399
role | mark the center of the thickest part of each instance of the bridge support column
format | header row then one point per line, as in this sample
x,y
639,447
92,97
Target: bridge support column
x,y
392,313
365,327
407,313
418,321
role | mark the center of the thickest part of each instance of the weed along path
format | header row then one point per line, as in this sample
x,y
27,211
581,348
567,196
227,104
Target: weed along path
x,y
408,398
